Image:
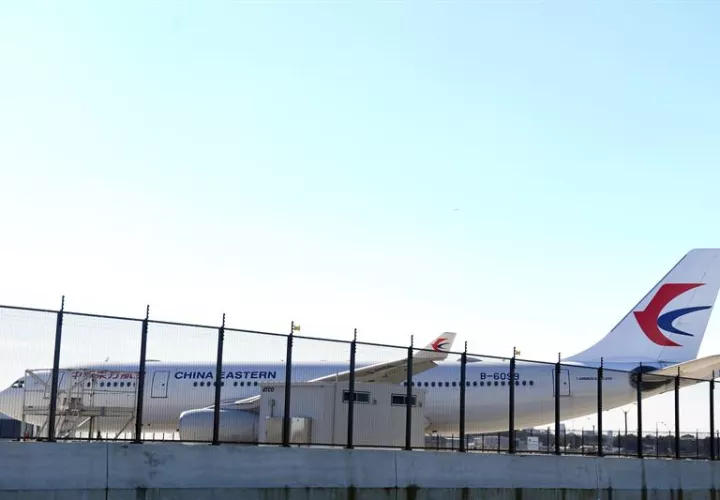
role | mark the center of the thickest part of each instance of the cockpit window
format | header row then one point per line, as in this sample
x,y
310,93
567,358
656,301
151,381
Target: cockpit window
x,y
19,384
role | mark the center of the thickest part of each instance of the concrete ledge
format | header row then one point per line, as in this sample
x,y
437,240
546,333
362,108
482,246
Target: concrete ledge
x,y
230,466
173,470
470,470
47,466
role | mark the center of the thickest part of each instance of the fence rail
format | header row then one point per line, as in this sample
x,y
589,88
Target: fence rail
x,y
65,396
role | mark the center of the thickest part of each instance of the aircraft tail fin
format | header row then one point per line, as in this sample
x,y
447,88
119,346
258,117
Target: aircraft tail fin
x,y
669,323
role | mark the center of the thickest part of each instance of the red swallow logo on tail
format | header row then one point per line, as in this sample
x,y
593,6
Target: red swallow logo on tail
x,y
650,320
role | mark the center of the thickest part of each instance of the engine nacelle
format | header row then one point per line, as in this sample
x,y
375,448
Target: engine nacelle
x,y
236,426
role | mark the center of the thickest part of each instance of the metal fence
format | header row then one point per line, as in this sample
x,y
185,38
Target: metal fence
x,y
62,390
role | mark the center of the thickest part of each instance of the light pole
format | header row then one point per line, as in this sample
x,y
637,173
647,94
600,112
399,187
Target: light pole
x,y
657,436
625,439
626,411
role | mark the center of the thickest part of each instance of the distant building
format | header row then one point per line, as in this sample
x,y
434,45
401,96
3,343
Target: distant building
x,y
13,429
532,443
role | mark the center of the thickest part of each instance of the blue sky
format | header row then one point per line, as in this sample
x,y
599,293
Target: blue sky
x,y
519,172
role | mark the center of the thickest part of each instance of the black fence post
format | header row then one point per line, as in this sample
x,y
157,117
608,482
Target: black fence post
x,y
218,383
600,376
141,377
511,409
55,373
463,378
639,437
712,417
557,406
408,402
288,381
677,415
351,392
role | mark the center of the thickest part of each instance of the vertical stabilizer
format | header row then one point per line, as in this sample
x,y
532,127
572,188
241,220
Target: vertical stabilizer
x,y
669,323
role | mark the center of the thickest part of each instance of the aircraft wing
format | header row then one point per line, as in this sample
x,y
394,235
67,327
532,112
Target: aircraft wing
x,y
392,372
248,404
706,368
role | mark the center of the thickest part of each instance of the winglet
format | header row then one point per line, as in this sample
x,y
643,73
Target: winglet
x,y
439,347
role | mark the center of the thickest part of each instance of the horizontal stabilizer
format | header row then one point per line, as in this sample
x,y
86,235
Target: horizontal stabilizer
x,y
706,368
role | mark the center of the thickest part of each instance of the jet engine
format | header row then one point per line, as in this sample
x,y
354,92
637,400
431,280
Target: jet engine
x,y
236,426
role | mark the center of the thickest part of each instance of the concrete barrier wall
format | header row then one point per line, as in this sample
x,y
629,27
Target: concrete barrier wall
x,y
181,471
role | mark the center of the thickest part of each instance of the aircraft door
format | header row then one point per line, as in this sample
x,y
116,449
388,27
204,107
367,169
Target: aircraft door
x,y
564,382
160,384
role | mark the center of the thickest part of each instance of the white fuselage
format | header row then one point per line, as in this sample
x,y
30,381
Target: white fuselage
x,y
171,388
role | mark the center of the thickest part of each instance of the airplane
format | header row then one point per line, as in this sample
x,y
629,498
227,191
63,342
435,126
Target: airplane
x,y
660,336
